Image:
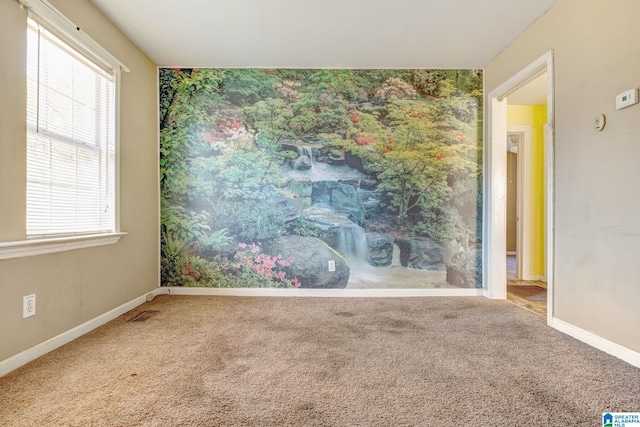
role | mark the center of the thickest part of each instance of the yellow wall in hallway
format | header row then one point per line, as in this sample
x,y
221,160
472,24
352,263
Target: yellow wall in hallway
x,y
536,117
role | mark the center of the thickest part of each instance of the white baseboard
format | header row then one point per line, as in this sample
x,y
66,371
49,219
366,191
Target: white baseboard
x,y
621,352
322,293
51,344
20,359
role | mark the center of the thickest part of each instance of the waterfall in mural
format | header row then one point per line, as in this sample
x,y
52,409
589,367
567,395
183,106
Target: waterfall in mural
x,y
283,173
395,256
305,158
352,242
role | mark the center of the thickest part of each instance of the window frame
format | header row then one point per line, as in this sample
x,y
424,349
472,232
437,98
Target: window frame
x,y
45,15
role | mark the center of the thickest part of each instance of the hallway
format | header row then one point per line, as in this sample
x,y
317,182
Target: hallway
x,y
531,295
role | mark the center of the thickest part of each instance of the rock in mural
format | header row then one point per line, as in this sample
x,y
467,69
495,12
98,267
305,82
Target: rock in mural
x,y
336,157
303,162
312,258
422,253
380,249
465,269
342,197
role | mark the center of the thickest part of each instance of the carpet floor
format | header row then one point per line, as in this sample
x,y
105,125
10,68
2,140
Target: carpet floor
x,y
240,361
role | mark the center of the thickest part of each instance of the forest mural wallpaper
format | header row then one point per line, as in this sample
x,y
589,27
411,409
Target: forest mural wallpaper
x,y
293,178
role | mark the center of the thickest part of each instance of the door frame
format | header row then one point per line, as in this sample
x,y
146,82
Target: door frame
x,y
495,159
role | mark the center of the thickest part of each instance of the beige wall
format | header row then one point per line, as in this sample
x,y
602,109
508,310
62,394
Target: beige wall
x,y
74,287
597,225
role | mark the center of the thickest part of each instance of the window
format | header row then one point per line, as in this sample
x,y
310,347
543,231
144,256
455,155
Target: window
x,y
70,139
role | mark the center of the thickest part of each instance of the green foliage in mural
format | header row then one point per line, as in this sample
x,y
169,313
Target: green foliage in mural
x,y
424,155
226,135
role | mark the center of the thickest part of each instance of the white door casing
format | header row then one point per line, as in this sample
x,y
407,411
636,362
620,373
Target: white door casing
x,y
495,159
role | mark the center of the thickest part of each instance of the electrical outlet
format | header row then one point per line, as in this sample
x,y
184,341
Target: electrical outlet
x,y
28,306
332,265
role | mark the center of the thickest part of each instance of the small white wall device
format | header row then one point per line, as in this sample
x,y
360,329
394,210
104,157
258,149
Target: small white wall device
x,y
28,306
627,99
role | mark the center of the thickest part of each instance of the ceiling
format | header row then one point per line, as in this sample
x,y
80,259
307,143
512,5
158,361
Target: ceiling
x,y
532,93
323,33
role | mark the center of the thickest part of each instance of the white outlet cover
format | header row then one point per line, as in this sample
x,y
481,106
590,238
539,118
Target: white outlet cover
x,y
28,306
332,265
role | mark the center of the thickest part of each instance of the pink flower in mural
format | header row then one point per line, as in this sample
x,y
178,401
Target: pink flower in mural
x,y
283,262
296,282
287,90
365,139
396,88
230,126
260,268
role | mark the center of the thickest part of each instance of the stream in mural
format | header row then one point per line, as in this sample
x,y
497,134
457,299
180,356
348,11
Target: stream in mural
x,y
350,238
320,178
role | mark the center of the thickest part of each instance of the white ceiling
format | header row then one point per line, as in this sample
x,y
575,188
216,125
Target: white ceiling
x,y
323,33
533,93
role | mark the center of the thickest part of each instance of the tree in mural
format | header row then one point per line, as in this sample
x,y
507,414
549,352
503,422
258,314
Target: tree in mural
x,y
422,151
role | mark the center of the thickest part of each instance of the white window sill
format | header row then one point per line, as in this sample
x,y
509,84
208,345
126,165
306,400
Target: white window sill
x,y
27,248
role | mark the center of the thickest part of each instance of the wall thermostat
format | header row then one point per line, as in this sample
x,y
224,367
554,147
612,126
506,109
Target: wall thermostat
x,y
627,99
599,122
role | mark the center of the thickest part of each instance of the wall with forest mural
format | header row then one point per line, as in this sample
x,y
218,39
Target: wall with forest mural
x,y
321,178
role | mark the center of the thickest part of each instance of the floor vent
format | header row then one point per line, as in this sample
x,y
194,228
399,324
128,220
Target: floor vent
x,y
143,315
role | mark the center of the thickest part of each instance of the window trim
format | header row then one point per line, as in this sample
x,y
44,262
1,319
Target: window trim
x,y
35,247
44,13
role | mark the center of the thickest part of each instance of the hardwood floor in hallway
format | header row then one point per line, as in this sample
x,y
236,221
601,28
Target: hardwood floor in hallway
x,y
529,294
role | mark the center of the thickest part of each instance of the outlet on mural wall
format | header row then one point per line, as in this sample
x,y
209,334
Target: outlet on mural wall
x,y
29,306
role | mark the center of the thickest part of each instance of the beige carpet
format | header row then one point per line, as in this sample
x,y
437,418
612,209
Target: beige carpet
x,y
223,361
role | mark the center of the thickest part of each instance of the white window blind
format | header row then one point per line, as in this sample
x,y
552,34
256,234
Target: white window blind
x,y
71,140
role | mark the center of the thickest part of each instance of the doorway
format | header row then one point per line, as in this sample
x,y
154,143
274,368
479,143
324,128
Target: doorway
x,y
526,120
519,198
535,250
